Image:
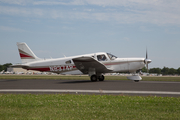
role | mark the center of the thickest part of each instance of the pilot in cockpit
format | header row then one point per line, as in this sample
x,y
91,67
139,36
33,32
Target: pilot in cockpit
x,y
101,57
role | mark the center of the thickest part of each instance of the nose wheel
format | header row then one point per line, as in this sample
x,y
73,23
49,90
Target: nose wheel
x,y
136,80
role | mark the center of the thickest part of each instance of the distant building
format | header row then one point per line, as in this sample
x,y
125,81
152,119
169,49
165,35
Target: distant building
x,y
21,71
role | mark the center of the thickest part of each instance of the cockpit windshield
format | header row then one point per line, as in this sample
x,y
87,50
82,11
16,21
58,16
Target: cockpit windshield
x,y
112,57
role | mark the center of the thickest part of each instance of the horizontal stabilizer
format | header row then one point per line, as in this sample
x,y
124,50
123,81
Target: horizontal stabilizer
x,y
19,66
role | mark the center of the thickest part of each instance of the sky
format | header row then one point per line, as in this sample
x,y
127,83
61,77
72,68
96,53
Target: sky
x,y
125,28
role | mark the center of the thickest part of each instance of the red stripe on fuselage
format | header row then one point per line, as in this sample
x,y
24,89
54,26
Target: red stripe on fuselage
x,y
40,69
118,63
47,69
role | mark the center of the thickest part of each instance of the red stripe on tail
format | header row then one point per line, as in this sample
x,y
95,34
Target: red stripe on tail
x,y
23,55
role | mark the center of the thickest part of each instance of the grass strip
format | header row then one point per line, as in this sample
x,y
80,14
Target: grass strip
x,y
85,77
66,106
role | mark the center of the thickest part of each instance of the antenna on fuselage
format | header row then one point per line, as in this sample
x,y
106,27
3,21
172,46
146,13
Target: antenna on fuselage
x,y
64,55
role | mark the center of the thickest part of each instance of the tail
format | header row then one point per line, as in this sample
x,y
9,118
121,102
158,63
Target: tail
x,y
26,53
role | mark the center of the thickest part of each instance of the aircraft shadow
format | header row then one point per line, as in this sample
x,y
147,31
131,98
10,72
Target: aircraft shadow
x,y
73,81
8,80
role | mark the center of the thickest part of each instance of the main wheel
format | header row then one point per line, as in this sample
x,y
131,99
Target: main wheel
x,y
93,78
101,78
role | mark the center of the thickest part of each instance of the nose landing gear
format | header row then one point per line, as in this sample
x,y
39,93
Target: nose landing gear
x,y
136,78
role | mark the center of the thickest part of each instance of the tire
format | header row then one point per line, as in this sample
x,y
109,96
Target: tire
x,y
93,78
101,78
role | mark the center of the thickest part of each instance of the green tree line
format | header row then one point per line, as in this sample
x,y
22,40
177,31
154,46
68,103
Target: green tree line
x,y
4,67
163,71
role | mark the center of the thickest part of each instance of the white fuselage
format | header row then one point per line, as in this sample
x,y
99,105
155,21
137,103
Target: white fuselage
x,y
66,65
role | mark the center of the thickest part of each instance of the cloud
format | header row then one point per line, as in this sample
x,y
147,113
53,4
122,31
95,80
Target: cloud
x,y
49,3
89,10
16,2
126,3
126,39
11,29
160,12
144,29
21,11
56,2
44,2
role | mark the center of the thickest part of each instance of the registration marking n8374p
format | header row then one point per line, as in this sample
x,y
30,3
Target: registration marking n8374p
x,y
61,67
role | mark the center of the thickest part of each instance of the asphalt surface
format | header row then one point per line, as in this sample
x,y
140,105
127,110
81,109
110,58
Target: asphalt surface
x,y
158,88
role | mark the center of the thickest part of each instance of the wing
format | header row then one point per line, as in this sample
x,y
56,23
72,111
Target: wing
x,y
85,64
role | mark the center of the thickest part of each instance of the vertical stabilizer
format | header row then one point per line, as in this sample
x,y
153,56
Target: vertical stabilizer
x,y
26,53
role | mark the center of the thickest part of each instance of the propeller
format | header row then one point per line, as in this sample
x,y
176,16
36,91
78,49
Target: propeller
x,y
147,61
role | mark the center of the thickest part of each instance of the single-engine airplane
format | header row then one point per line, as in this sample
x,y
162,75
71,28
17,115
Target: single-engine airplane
x,y
95,64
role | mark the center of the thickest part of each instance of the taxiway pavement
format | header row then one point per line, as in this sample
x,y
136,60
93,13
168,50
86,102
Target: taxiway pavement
x,y
159,88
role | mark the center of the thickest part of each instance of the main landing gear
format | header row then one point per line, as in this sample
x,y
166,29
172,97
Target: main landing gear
x,y
94,78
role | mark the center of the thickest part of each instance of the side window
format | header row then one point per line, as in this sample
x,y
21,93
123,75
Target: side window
x,y
101,58
68,62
